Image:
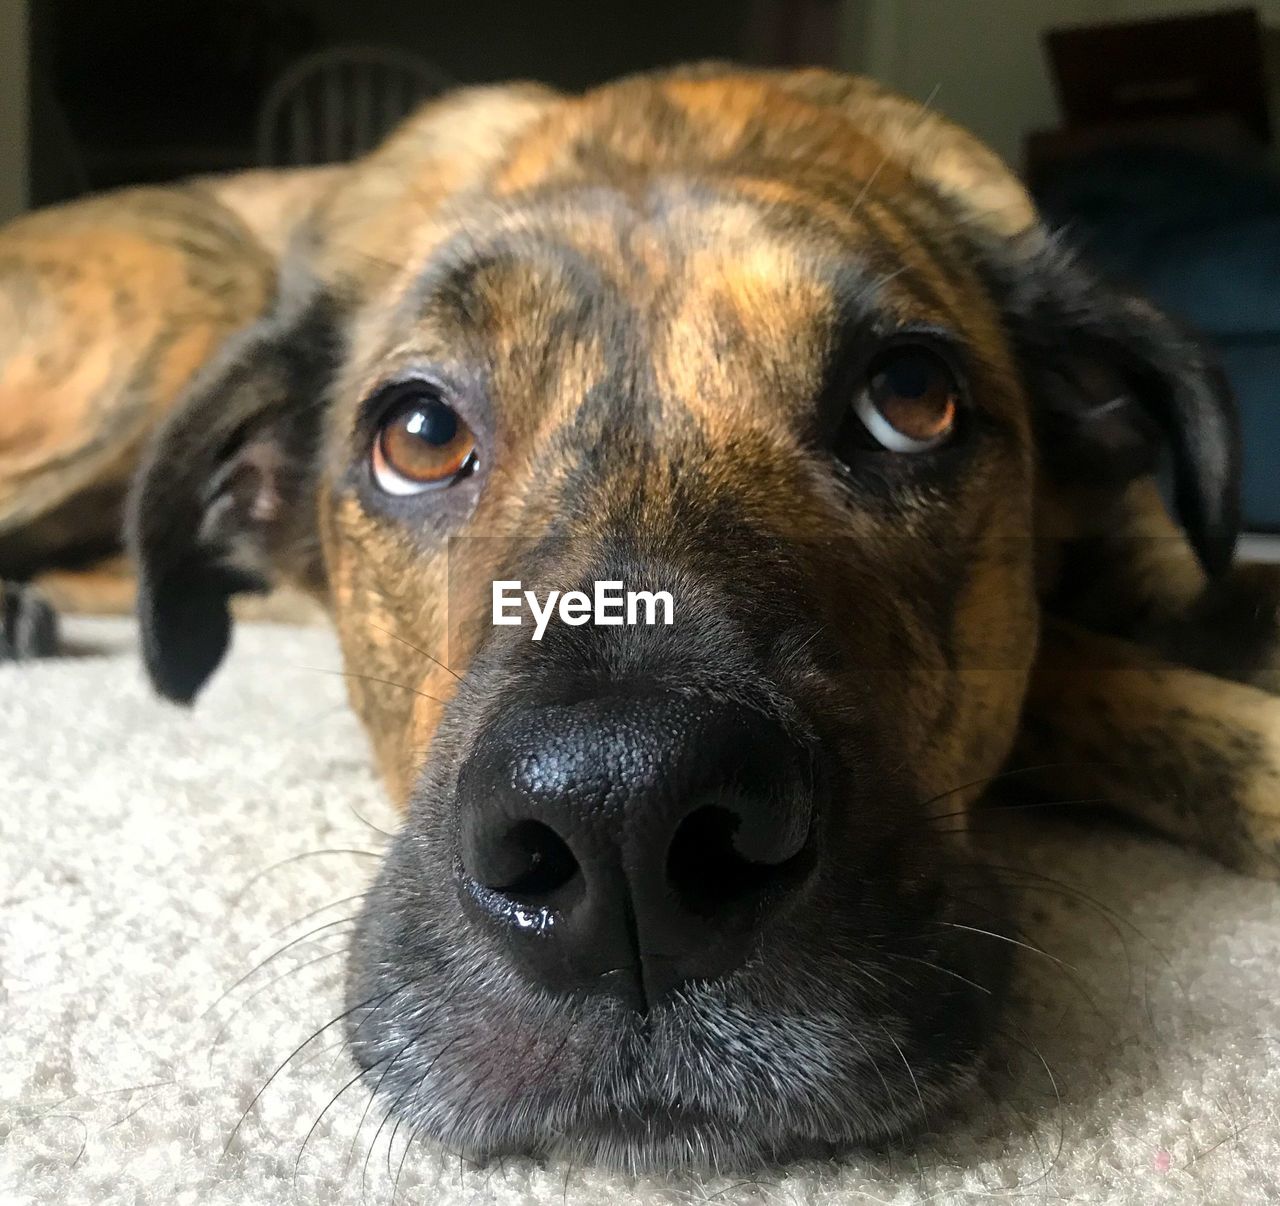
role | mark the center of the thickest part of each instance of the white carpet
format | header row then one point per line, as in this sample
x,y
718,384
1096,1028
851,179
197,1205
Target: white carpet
x,y
144,869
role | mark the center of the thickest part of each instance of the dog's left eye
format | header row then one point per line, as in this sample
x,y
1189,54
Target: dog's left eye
x,y
421,443
910,400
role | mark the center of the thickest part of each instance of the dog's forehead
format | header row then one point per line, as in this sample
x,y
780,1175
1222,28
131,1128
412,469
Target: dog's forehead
x,y
702,281
702,245
748,124
834,144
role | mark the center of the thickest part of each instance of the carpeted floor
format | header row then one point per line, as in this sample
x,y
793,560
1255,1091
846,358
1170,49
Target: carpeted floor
x,y
150,858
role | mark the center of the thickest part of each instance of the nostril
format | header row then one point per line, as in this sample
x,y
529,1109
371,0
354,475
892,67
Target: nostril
x,y
626,845
531,860
707,871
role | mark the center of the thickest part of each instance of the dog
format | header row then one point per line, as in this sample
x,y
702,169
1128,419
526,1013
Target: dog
x,y
785,345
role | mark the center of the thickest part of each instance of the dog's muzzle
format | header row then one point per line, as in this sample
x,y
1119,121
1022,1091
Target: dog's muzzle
x,y
657,903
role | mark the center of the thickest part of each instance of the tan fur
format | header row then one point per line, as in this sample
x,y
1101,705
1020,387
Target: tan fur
x,y
108,307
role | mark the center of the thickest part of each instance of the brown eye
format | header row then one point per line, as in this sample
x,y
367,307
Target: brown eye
x,y
911,400
421,443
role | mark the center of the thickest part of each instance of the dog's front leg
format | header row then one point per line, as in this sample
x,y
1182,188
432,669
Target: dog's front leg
x,y
1194,755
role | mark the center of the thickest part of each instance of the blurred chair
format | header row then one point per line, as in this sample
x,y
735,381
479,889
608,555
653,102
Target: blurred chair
x,y
339,103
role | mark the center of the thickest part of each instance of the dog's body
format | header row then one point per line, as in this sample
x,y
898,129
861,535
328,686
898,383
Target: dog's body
x,y
783,344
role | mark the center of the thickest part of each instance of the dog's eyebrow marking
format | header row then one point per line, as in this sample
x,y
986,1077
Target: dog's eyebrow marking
x,y
858,294
452,274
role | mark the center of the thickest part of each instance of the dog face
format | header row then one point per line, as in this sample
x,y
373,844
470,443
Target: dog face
x,y
779,346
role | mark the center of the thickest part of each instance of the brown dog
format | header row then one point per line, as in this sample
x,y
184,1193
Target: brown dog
x,y
782,345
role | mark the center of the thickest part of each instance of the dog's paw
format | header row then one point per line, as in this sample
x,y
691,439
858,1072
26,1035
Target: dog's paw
x,y
28,624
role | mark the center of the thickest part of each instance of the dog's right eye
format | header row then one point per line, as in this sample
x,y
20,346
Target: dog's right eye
x,y
421,443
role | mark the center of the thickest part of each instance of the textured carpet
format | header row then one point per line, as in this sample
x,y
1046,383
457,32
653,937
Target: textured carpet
x,y
150,858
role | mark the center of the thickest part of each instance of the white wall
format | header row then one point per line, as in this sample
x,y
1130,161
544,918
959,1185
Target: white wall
x,y
13,107
984,57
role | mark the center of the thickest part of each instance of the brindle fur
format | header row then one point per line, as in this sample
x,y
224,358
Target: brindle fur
x,y
641,300
108,307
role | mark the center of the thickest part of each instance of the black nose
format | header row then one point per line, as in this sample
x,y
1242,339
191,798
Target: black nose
x,y
628,845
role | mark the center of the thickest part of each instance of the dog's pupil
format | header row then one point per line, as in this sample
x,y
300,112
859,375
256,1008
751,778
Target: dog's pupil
x,y
433,423
911,377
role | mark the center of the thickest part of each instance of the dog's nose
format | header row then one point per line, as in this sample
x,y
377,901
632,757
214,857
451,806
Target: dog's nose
x,y
627,846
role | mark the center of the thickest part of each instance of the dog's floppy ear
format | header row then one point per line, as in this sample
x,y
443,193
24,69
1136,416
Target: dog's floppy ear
x,y
224,501
1114,383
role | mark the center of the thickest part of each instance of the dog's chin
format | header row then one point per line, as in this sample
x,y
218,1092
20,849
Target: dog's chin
x,y
836,1036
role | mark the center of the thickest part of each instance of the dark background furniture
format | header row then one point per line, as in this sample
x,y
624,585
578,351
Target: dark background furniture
x,y
1163,173
125,91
